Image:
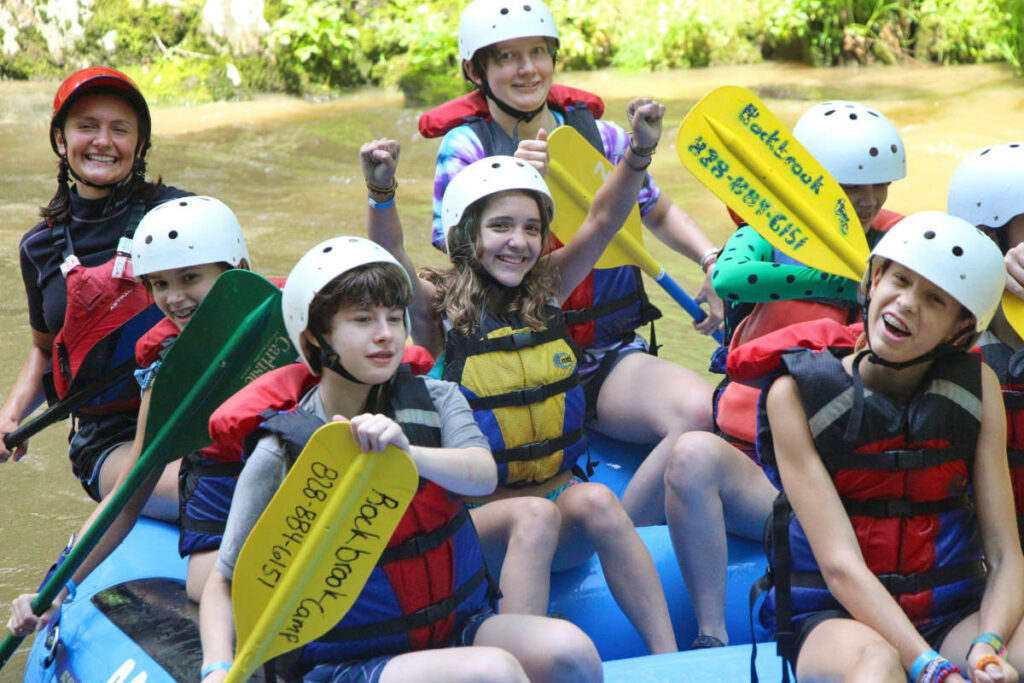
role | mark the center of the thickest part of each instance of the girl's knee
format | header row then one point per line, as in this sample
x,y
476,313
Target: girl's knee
x,y
693,463
537,522
565,653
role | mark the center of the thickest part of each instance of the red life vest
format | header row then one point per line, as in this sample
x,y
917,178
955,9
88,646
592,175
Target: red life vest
x,y
105,313
452,114
432,575
903,473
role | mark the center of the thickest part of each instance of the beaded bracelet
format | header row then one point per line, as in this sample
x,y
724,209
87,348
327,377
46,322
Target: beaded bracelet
x,y
943,671
376,189
642,151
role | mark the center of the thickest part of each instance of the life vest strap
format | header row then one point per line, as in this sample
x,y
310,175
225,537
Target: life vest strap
x,y
890,508
906,584
537,449
582,316
216,468
409,622
524,397
896,460
419,545
509,342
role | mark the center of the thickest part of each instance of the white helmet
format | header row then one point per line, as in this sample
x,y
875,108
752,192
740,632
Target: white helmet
x,y
486,22
952,254
319,266
488,176
188,231
987,187
855,143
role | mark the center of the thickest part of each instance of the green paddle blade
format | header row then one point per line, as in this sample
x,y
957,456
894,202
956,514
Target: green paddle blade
x,y
575,174
236,334
313,548
736,147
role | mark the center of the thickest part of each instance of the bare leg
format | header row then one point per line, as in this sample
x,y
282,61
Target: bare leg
x,y
520,536
711,488
163,501
844,650
593,519
199,567
646,399
514,648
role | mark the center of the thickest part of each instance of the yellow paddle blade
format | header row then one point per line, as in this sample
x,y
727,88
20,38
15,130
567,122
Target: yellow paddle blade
x,y
575,173
736,147
311,552
1013,309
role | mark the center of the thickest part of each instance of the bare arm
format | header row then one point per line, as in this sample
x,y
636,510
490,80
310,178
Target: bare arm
x,y
676,228
821,514
1002,603
379,160
27,392
613,202
465,471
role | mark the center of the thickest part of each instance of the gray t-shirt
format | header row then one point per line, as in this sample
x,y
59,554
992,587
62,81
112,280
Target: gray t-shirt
x,y
267,467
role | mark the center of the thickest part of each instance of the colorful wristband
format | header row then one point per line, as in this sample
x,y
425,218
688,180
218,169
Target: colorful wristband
x,y
374,204
943,670
920,663
72,591
990,639
709,258
986,660
216,666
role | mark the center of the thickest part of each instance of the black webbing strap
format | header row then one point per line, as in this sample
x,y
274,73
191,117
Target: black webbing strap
x,y
418,545
524,397
537,449
904,508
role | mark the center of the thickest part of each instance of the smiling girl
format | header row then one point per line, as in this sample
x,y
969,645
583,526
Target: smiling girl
x,y
903,544
180,249
495,319
86,309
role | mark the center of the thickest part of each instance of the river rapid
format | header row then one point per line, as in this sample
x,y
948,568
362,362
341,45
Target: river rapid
x,y
290,171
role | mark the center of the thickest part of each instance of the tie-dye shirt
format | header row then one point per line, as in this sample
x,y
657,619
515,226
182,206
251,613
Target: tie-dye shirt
x,y
460,147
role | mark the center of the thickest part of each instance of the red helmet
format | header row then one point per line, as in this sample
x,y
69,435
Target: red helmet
x,y
99,79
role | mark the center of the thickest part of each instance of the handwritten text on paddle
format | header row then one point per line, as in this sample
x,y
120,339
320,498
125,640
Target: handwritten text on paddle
x,y
779,223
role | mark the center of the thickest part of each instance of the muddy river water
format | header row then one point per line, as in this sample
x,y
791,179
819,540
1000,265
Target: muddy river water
x,y
289,169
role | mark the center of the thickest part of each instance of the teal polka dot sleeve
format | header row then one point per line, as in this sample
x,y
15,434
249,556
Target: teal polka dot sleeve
x,y
746,271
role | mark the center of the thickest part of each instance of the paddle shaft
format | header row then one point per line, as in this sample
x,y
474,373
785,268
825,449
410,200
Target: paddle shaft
x,y
153,457
635,251
67,405
282,601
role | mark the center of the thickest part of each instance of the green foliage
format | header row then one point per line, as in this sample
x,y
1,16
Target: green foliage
x,y
320,47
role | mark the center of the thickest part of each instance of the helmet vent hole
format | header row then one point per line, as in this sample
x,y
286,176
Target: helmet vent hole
x,y
985,151
183,203
1014,145
893,148
853,117
173,234
504,10
873,151
496,165
830,112
958,251
527,8
930,235
327,250
875,114
149,239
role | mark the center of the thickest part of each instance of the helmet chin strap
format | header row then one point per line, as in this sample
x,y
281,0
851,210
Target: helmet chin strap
x,y
519,115
938,351
331,360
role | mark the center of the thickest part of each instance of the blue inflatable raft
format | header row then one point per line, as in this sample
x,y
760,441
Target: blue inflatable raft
x,y
131,621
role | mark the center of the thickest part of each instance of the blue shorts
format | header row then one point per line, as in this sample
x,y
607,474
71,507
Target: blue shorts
x,y
369,670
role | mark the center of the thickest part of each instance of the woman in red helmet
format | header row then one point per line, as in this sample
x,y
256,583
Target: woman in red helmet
x,y
85,308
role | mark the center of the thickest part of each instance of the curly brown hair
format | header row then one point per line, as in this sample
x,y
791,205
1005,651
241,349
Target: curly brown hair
x,y
463,291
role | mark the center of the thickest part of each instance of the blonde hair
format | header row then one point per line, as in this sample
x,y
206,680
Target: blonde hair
x,y
463,292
